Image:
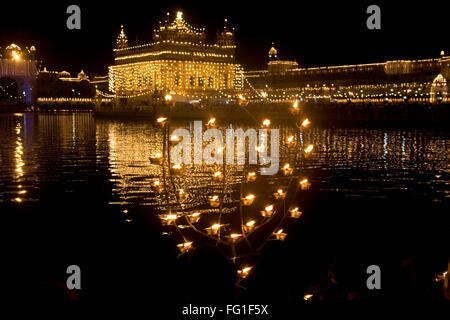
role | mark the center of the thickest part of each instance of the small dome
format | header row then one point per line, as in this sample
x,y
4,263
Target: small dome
x,y
64,74
273,51
13,46
82,75
439,81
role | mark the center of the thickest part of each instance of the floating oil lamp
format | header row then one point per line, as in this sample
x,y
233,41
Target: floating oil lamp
x,y
268,211
280,235
295,212
177,169
243,273
218,151
291,141
156,159
280,194
213,230
295,105
287,169
309,149
259,148
306,123
174,140
266,123
234,236
249,226
161,121
218,176
184,247
304,184
251,176
214,201
194,217
156,185
168,219
248,200
182,196
211,122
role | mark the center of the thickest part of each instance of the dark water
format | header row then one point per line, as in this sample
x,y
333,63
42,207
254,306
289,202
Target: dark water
x,y
76,190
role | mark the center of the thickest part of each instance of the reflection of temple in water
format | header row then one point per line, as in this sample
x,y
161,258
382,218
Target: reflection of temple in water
x,y
60,148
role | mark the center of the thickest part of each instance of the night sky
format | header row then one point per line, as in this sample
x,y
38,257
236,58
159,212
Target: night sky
x,y
314,33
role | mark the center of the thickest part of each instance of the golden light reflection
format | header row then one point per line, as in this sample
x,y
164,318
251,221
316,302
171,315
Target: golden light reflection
x,y
306,123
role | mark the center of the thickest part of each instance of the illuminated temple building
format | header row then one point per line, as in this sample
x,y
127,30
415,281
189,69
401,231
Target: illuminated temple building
x,y
179,60
398,80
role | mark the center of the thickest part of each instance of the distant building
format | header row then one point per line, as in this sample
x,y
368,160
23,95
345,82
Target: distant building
x,y
18,67
178,60
421,80
52,84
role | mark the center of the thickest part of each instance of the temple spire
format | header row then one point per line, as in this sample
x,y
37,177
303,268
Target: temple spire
x,y
122,41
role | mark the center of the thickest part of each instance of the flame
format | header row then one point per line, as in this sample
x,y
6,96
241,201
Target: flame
x,y
309,148
307,297
266,123
250,197
269,208
251,223
306,122
304,181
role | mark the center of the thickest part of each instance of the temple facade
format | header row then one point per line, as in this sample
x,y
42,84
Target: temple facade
x,y
398,80
179,60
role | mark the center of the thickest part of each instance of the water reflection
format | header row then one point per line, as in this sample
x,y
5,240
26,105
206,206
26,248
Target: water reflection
x,y
70,151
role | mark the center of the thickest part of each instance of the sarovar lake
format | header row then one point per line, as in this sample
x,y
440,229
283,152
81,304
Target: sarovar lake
x,y
77,189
